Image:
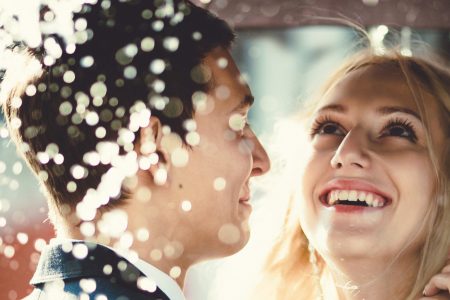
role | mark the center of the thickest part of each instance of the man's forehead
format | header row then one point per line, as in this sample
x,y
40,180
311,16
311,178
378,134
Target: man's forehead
x,y
224,72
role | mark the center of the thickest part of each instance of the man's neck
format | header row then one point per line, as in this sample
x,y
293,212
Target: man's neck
x,y
158,244
165,244
369,279
163,255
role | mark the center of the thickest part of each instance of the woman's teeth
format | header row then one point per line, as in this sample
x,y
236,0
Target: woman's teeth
x,y
358,197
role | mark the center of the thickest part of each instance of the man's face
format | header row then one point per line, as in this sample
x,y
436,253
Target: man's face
x,y
216,178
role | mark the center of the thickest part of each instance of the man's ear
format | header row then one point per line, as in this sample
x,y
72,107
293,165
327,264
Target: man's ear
x,y
150,144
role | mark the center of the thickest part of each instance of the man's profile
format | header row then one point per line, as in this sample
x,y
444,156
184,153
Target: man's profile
x,y
139,136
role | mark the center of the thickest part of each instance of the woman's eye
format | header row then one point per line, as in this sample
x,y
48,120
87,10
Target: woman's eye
x,y
398,131
328,128
402,130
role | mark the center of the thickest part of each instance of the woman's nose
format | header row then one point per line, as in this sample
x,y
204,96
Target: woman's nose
x,y
352,151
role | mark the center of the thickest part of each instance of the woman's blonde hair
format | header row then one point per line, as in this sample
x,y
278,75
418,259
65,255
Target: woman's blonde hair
x,y
289,273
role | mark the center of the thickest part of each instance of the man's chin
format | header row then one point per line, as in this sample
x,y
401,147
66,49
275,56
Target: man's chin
x,y
233,249
241,242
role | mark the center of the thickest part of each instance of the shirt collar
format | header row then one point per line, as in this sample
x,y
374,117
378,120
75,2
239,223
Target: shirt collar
x,y
163,281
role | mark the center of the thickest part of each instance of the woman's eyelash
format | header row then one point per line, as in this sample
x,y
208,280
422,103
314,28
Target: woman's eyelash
x,y
407,130
318,124
402,123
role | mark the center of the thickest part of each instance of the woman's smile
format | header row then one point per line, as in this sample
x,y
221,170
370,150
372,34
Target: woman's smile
x,y
352,195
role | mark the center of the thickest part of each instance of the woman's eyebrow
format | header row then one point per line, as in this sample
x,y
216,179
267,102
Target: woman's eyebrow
x,y
386,110
333,107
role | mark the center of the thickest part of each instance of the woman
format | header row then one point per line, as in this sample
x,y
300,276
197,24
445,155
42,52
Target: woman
x,y
374,202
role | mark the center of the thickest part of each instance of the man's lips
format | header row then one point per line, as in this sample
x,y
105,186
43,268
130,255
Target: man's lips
x,y
245,198
353,192
245,194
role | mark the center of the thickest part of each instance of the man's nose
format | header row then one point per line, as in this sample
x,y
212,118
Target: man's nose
x,y
261,161
352,151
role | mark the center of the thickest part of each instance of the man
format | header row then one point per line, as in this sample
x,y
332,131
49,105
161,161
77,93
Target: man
x,y
138,133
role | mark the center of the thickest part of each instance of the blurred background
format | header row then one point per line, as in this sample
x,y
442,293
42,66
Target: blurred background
x,y
285,48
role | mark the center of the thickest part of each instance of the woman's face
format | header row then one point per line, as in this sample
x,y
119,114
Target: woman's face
x,y
368,182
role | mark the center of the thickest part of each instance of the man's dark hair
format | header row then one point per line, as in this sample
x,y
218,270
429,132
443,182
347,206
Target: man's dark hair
x,y
137,51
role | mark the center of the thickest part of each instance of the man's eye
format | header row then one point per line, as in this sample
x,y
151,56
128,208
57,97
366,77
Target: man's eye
x,y
238,122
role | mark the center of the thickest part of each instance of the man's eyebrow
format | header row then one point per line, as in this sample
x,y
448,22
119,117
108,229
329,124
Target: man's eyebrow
x,y
245,102
385,110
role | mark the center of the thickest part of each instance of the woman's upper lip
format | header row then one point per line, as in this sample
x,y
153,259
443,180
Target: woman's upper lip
x,y
353,184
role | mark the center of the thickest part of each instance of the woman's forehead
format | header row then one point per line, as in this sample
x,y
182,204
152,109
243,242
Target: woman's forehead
x,y
371,85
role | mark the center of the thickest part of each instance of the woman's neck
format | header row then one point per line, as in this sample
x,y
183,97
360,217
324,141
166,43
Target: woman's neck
x,y
369,279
